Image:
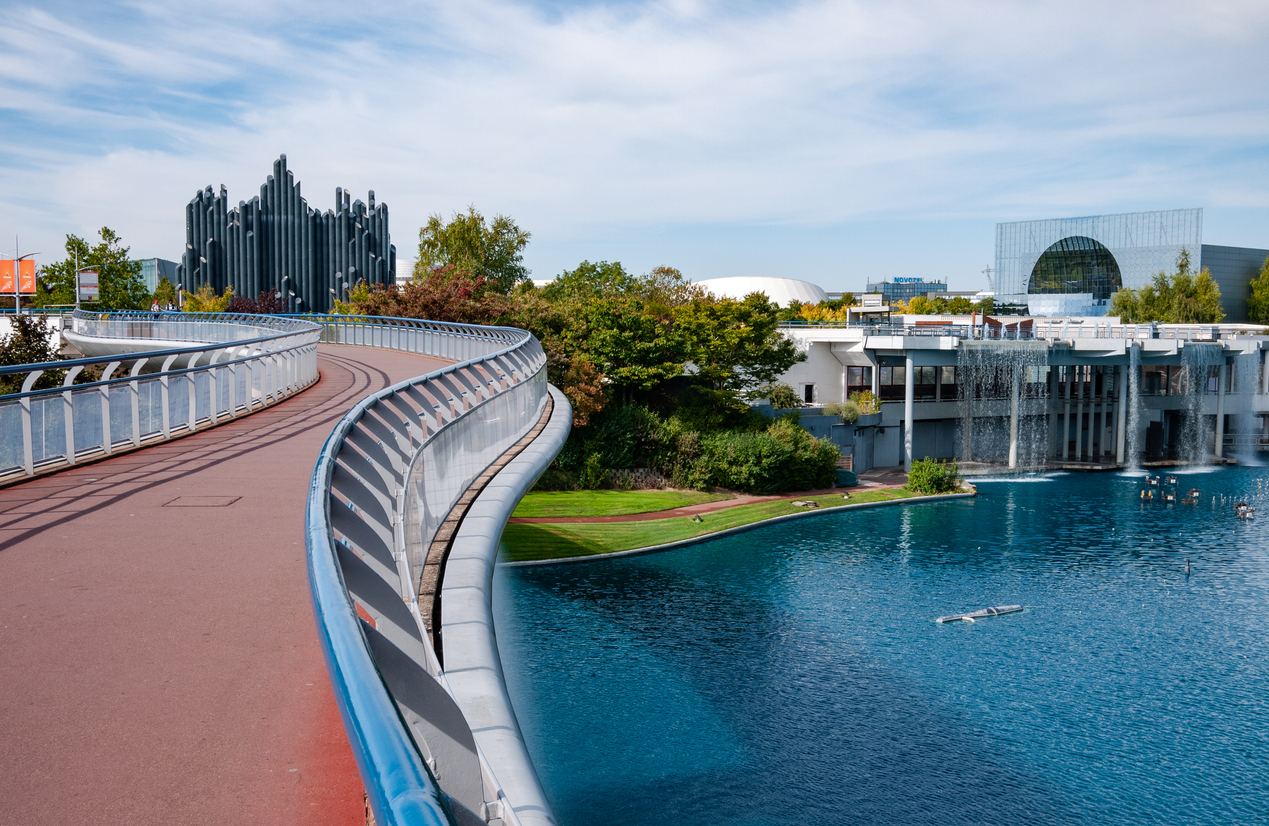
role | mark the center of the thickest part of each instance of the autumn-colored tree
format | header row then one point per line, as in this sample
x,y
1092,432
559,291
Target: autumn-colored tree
x,y
447,293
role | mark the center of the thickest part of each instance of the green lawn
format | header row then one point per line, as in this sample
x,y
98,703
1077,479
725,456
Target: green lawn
x,y
608,502
559,540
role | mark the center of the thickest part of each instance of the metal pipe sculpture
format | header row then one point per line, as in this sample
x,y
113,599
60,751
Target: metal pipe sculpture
x,y
275,236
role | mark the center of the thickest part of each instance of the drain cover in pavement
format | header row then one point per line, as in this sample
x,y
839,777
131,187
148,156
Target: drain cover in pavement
x,y
201,502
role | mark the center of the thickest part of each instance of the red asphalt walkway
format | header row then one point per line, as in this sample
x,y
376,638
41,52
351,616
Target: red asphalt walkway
x,y
159,663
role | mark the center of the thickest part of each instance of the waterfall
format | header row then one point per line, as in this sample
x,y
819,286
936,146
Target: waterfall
x,y
1239,405
1195,437
1133,459
1004,390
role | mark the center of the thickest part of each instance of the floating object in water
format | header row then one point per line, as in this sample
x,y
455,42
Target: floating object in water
x,y
1171,480
1154,480
1187,567
1147,494
1169,496
1189,500
1193,492
1244,511
984,613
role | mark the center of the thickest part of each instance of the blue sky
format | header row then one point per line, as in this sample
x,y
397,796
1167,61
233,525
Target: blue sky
x,y
832,141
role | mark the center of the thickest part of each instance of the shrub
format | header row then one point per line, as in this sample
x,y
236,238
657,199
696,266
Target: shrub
x,y
781,396
848,410
594,474
783,458
929,477
867,402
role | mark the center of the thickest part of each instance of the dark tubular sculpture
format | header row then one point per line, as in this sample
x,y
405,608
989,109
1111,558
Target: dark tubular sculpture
x,y
275,242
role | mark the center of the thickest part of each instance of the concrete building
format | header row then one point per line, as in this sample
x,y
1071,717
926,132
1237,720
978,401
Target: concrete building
x,y
905,289
1039,392
1072,266
779,290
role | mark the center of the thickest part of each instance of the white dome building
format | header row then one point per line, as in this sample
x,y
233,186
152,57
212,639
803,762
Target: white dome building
x,y
779,290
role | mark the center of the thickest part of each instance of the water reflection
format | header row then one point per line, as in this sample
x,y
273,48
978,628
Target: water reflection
x,y
794,673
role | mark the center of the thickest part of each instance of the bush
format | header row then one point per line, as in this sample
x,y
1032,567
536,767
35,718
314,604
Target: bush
x,y
929,477
783,458
594,474
781,396
867,402
848,410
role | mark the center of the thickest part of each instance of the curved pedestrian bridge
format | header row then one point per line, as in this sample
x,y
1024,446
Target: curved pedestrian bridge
x,y
162,661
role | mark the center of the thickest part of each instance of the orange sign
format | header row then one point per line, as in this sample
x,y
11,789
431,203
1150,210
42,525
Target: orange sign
x,y
26,276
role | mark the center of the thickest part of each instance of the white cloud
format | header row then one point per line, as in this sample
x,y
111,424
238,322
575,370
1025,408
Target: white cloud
x,y
602,120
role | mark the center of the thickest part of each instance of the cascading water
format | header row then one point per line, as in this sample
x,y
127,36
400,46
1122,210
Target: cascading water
x,y
1003,402
1243,420
1133,440
1195,443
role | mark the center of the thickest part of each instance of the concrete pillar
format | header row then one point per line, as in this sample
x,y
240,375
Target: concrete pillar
x,y
1220,411
876,382
1264,376
1091,405
1066,413
1053,400
907,415
1120,432
1079,412
1014,381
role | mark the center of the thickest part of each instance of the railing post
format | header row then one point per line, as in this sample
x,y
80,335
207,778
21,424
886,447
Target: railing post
x,y
107,441
68,413
193,392
166,396
28,437
136,401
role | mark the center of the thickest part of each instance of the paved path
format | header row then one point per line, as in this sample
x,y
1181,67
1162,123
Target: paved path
x,y
160,664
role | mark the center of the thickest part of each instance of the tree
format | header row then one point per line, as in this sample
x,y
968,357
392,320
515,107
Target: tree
x,y
119,278
1182,298
164,292
1258,301
28,343
206,300
589,280
493,251
448,293
735,347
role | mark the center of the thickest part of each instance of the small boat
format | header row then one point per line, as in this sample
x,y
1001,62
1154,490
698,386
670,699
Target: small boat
x,y
984,613
1243,510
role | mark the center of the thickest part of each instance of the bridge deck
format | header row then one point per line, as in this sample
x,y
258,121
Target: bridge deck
x,y
159,661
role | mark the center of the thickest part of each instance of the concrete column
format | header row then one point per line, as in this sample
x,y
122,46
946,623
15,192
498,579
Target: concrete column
x,y
1264,377
1091,405
1220,411
907,415
1066,413
1079,412
1014,381
1120,434
876,383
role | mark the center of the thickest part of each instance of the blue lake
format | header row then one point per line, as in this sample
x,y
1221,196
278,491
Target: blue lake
x,y
793,674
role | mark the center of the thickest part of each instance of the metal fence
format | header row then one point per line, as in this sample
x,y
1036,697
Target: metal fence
x,y
1060,329
99,405
385,480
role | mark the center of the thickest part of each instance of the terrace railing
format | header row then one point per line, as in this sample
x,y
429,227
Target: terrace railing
x,y
1038,329
64,412
387,477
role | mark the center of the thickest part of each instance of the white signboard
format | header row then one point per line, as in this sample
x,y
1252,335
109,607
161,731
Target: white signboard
x,y
88,290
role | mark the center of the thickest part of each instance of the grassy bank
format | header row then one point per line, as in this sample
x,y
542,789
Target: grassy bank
x,y
562,540
582,503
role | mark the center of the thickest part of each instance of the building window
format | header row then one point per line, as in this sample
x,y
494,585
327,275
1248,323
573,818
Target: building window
x,y
858,378
1076,265
808,393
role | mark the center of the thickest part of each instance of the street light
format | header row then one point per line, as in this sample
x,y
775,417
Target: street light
x,y
17,277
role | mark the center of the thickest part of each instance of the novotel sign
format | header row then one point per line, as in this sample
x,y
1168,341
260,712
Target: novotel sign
x,y
910,281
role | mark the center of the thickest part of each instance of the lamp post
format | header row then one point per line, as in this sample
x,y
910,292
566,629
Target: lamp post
x,y
17,277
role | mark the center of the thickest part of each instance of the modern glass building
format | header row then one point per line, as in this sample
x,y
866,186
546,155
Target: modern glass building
x,y
152,269
905,289
1072,266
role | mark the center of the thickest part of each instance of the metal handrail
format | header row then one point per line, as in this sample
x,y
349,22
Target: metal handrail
x,y
41,432
366,473
1040,329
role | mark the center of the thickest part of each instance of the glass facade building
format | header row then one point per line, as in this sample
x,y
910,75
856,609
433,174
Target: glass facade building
x,y
905,289
152,269
1071,266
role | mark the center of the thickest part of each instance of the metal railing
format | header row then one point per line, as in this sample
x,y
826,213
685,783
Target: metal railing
x,y
69,411
1038,329
386,478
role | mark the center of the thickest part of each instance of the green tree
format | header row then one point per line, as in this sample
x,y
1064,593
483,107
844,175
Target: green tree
x,y
734,347
28,343
1258,301
119,278
1181,298
165,292
493,251
588,280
